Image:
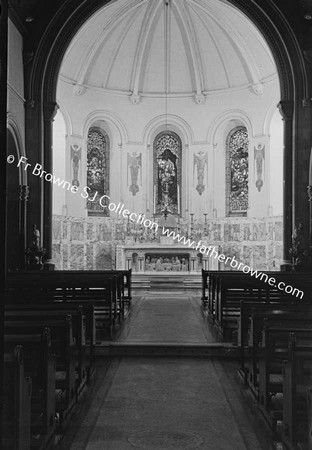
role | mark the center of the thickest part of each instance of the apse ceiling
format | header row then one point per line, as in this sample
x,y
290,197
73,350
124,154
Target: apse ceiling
x,y
156,48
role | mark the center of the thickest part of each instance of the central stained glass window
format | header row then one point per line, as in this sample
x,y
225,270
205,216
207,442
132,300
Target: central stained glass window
x,y
167,172
237,172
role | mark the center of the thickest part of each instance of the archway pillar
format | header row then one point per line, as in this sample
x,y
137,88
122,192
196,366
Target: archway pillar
x,y
286,109
49,112
23,197
302,176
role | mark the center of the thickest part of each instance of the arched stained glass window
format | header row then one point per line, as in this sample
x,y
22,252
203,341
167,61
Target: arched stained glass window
x,y
97,171
237,172
167,172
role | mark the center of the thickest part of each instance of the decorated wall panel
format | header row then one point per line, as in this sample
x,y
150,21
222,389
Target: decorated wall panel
x,y
91,242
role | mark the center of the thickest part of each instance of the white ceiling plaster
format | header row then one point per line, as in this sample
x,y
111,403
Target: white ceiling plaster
x,y
145,48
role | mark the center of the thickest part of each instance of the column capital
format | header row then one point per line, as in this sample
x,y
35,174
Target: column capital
x,y
286,109
49,110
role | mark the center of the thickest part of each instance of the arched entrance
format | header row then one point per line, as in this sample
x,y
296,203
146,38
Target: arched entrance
x,y
44,73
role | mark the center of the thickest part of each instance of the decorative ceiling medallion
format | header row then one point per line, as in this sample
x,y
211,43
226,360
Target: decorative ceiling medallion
x,y
135,99
199,99
257,88
79,90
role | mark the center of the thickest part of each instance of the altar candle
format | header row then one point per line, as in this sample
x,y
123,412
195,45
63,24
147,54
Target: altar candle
x,y
178,199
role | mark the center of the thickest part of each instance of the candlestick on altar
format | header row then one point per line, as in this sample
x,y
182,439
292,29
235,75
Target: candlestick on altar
x,y
178,199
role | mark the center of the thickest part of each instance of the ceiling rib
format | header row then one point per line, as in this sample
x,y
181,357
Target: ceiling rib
x,y
189,34
242,51
105,33
148,20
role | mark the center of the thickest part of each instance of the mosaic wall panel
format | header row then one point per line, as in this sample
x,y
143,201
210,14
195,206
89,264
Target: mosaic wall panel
x,y
77,260
90,243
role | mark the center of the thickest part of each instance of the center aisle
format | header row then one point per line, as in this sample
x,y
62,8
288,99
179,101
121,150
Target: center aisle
x,y
166,319
164,404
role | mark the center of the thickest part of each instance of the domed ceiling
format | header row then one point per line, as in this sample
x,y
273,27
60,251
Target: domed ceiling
x,y
177,48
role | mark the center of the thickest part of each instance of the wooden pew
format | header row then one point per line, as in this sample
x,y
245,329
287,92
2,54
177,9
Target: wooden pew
x,y
16,403
104,289
76,313
63,346
297,379
226,290
252,315
309,407
274,351
288,319
39,365
83,327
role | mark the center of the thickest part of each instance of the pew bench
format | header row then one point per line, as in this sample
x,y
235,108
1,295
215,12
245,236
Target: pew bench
x,y
78,330
227,289
64,347
273,353
16,402
39,365
252,315
67,308
297,380
259,324
104,289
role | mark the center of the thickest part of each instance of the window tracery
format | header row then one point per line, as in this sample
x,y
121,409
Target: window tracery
x,y
237,172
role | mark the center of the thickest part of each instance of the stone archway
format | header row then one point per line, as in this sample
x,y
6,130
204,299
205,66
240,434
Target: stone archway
x,y
42,81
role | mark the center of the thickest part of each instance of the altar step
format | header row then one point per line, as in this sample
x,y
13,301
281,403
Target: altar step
x,y
166,282
166,349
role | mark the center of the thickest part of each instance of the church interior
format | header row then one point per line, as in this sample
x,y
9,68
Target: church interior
x,y
157,224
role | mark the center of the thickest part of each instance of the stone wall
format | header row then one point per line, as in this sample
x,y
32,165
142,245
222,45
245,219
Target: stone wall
x,y
90,243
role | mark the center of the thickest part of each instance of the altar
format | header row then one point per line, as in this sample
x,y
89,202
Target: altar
x,y
152,258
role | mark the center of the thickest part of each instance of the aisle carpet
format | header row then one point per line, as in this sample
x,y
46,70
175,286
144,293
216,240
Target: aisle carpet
x,y
164,404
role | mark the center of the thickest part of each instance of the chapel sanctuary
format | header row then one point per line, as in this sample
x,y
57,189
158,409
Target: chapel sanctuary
x,y
156,224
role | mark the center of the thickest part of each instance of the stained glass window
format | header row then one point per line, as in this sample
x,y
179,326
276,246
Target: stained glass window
x,y
167,172
97,171
237,172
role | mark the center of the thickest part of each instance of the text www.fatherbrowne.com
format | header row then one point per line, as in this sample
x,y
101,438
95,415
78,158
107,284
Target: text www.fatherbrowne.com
x,y
142,220
212,252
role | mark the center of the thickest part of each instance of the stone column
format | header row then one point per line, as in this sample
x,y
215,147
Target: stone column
x,y
148,181
192,263
3,140
286,109
141,259
49,112
23,196
309,192
129,263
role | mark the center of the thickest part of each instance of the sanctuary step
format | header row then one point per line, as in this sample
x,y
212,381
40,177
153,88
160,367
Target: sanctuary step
x,y
166,281
218,350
